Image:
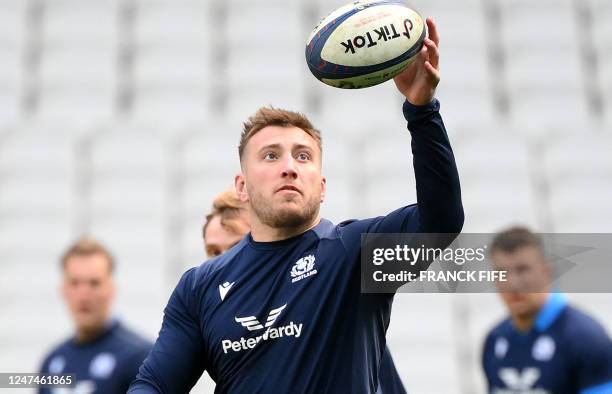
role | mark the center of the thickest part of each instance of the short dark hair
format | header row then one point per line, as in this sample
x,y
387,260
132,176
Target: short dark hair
x,y
88,247
514,238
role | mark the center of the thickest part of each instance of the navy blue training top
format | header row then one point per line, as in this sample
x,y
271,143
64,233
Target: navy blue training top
x,y
106,364
566,352
288,316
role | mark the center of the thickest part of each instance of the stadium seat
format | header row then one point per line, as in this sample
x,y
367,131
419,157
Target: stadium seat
x,y
209,162
601,33
81,23
422,334
10,107
263,67
128,176
170,108
12,66
387,164
128,196
605,83
38,210
522,21
559,65
578,156
601,12
173,24
274,24
34,240
13,23
461,67
581,205
12,76
492,205
172,68
462,25
89,67
467,107
79,109
478,155
360,113
539,111
340,203
32,150
77,84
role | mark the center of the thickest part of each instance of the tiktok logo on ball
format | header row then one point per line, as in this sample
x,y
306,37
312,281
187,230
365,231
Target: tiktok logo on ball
x,y
384,33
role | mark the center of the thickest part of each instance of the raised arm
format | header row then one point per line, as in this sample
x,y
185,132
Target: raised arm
x,y
437,181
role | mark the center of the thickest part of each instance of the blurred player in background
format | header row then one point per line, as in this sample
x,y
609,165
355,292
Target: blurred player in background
x,y
282,311
545,345
103,353
228,223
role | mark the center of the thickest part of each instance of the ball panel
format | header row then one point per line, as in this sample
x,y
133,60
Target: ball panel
x,y
367,80
335,71
373,36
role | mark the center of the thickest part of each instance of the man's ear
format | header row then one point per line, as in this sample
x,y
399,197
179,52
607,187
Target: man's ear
x,y
241,189
323,188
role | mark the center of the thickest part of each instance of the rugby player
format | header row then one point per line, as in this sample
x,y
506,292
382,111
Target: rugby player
x,y
227,224
282,311
103,353
545,346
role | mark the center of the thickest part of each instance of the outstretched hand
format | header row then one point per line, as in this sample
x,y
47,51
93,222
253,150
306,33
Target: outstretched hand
x,y
419,80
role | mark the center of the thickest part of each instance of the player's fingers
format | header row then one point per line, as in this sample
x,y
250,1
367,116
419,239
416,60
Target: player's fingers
x,y
423,56
433,33
432,50
434,74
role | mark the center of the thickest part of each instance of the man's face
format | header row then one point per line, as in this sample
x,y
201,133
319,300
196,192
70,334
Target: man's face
x,y
528,279
88,289
219,238
282,176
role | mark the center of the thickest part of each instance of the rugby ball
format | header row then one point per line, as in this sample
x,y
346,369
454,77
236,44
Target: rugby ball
x,y
365,43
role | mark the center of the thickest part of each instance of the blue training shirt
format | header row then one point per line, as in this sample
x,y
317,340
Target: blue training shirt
x,y
565,352
106,364
288,316
389,381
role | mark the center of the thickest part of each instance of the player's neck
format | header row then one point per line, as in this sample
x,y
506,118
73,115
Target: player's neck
x,y
264,233
524,322
89,334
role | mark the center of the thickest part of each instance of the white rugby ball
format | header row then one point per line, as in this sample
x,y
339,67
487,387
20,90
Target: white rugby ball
x,y
365,43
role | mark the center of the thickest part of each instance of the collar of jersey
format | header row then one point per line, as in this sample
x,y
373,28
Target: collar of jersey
x,y
323,224
550,311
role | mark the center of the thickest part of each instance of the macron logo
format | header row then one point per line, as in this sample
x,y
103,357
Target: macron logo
x,y
224,288
303,268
